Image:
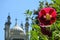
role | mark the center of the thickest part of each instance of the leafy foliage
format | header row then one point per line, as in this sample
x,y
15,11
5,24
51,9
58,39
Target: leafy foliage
x,y
35,33
56,32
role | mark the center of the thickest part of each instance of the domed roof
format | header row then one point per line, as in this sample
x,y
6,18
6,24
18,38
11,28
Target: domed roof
x,y
16,27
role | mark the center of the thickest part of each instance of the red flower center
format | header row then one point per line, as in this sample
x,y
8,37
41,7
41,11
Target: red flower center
x,y
48,16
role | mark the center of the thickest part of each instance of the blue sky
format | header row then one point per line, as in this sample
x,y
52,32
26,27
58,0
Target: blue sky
x,y
16,8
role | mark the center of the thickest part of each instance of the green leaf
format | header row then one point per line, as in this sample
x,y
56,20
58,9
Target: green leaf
x,y
56,35
58,2
28,12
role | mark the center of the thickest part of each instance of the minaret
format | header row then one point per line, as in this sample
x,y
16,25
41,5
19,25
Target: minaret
x,y
27,28
16,22
7,27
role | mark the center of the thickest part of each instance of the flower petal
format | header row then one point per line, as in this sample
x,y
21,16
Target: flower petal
x,y
43,12
51,11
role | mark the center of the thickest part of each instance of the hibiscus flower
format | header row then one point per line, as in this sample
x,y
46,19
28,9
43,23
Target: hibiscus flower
x,y
47,16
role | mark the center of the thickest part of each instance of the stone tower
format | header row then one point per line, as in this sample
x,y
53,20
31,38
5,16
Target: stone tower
x,y
27,28
7,28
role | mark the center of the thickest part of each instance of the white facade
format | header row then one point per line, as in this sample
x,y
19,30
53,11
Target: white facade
x,y
16,33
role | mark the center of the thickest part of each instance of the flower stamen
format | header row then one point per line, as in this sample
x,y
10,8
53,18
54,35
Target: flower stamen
x,y
48,16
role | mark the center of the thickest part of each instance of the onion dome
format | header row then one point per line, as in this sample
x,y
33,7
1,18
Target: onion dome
x,y
17,27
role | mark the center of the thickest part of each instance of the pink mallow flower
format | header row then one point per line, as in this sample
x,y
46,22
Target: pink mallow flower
x,y
47,16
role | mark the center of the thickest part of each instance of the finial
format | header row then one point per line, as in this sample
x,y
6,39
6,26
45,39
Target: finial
x,y
8,18
21,24
8,15
16,21
27,19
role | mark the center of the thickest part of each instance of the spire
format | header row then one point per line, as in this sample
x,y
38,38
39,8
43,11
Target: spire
x,y
21,25
8,19
16,21
27,19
